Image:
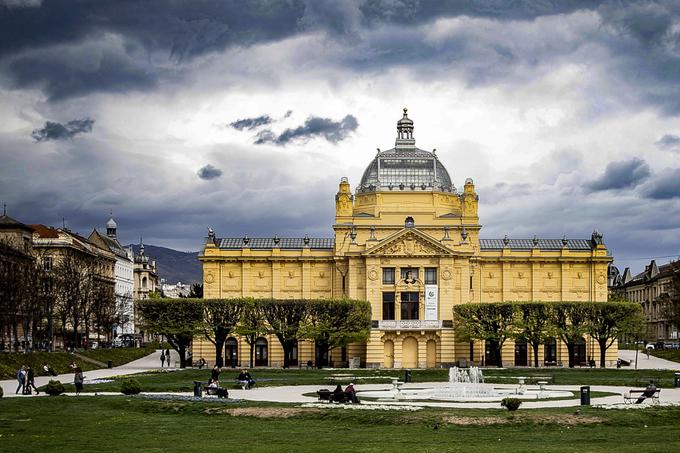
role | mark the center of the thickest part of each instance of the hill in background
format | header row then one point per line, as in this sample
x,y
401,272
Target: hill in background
x,y
172,265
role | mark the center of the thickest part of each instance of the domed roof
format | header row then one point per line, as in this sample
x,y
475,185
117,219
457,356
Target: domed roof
x,y
111,223
405,167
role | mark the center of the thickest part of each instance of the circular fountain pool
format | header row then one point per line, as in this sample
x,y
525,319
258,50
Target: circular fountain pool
x,y
463,385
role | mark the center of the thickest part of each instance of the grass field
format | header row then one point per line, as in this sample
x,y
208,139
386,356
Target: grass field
x,y
668,354
11,362
182,381
65,424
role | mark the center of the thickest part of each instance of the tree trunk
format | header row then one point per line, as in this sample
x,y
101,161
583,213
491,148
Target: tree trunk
x,y
535,345
570,351
252,353
499,355
219,347
182,350
603,351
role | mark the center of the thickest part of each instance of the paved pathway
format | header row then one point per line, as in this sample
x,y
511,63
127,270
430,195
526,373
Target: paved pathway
x,y
150,362
647,363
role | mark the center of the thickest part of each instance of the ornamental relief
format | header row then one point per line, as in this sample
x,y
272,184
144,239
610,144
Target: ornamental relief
x,y
408,247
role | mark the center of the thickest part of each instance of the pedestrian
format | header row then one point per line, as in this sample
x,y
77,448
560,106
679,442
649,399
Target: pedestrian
x,y
30,381
167,356
162,357
78,379
21,376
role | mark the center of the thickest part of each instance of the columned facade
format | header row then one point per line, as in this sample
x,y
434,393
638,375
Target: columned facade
x,y
408,241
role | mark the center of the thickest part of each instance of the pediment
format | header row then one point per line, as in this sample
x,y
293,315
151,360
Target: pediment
x,y
409,242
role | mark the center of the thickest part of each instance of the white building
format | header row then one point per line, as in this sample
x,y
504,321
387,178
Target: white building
x,y
175,291
124,274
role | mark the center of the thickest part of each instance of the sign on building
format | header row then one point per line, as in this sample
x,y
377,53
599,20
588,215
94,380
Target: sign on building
x,y
431,302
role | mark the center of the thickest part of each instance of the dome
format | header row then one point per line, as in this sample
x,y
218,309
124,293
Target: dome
x,y
111,223
405,167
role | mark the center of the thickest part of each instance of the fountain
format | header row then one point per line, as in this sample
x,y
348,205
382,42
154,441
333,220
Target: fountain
x,y
464,385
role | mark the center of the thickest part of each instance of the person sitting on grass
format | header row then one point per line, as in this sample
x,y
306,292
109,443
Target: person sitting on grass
x,y
245,379
648,393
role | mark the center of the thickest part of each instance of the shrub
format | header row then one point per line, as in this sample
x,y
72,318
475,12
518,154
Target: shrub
x,y
130,387
511,403
54,388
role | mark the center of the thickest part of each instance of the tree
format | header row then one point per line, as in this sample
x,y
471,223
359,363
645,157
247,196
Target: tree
x,y
493,322
533,323
606,322
251,325
285,318
220,316
336,323
570,320
178,319
196,291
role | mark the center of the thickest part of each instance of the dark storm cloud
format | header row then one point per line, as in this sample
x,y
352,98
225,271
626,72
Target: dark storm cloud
x,y
333,131
58,131
251,123
669,141
621,175
209,172
665,186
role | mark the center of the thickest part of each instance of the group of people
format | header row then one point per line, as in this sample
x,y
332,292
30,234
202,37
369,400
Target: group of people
x,y
165,356
349,394
245,379
26,380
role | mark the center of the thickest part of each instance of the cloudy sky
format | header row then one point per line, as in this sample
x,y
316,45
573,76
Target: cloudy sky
x,y
243,116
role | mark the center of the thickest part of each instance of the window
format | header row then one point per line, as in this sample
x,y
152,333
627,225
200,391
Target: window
x,y
388,276
409,274
409,305
550,352
47,263
388,306
430,275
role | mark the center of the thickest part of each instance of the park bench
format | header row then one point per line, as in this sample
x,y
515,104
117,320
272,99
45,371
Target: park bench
x,y
327,396
632,396
219,392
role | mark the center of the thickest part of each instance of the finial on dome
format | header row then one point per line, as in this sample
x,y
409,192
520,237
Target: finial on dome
x,y
405,111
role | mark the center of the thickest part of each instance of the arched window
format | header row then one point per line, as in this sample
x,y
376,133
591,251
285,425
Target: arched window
x,y
261,352
144,282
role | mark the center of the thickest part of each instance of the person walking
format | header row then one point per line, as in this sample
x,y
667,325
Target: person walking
x,y
162,357
167,356
78,380
30,382
21,376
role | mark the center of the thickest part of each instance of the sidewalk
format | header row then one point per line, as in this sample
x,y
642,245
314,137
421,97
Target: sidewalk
x,y
644,363
150,362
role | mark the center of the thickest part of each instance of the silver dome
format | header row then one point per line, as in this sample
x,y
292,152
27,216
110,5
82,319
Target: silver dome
x,y
405,167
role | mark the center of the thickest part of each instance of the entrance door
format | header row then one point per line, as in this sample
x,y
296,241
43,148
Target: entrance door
x,y
261,353
490,358
580,352
431,353
409,352
521,353
231,352
388,360
321,356
293,356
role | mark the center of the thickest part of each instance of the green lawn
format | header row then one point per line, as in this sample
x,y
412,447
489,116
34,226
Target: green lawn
x,y
182,381
668,354
11,362
65,424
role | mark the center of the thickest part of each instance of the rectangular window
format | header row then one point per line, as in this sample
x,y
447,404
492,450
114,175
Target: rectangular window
x,y
409,274
430,275
388,306
409,305
388,276
47,263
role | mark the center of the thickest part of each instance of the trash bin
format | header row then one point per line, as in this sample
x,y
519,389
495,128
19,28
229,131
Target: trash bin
x,y
585,395
677,380
407,376
198,389
109,363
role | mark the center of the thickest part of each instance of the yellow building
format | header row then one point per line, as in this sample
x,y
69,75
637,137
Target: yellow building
x,y
409,242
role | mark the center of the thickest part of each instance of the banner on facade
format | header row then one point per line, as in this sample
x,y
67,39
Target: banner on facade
x,y
431,294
